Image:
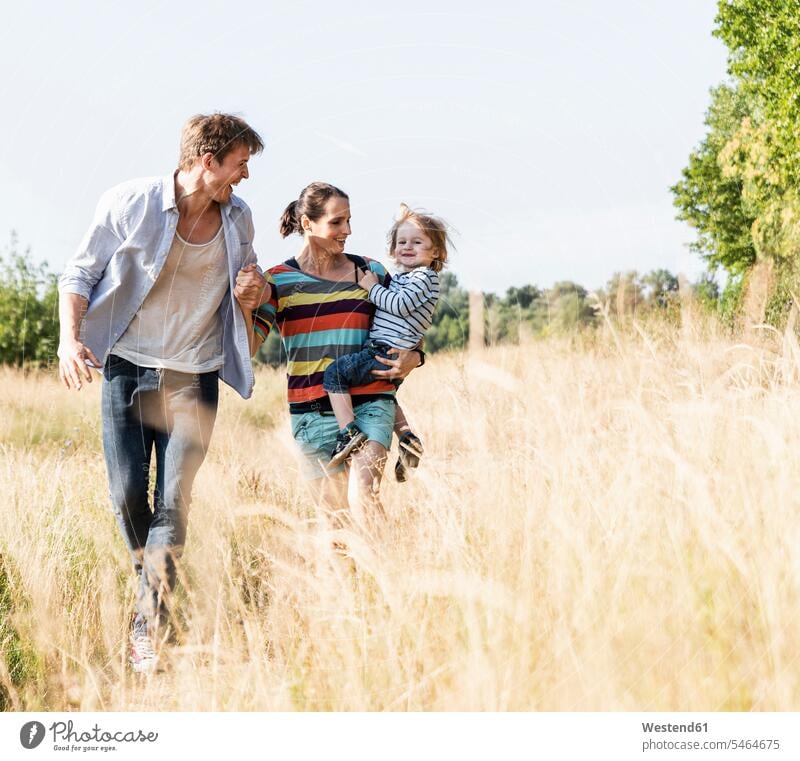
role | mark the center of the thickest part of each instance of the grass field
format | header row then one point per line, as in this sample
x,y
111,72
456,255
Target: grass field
x,y
599,524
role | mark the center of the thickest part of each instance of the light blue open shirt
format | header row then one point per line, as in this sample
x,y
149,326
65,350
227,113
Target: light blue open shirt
x,y
121,256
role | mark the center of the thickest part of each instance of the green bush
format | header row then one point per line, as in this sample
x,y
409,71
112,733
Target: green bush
x,y
28,309
730,302
18,655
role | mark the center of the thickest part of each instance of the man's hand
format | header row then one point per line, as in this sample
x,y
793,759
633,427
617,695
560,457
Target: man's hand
x,y
368,279
251,289
72,367
405,361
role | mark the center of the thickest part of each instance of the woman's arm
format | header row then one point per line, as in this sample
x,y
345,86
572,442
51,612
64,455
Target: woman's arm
x,y
400,367
254,339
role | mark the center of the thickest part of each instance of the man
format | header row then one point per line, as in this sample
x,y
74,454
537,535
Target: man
x,y
151,298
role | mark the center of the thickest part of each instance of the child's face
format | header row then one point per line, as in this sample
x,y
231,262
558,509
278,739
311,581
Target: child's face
x,y
414,248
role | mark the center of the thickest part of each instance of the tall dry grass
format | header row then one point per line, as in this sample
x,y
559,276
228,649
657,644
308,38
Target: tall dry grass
x,y
598,524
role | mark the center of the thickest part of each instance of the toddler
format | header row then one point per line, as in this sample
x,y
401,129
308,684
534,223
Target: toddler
x,y
403,313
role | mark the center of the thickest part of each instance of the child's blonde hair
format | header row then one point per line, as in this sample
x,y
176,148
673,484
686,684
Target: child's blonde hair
x,y
434,227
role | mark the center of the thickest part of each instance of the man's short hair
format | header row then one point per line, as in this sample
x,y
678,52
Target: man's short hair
x,y
218,134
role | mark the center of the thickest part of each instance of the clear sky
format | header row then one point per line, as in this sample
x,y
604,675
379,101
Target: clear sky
x,y
546,133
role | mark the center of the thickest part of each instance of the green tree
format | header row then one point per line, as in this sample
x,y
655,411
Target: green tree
x,y
740,188
706,290
661,288
28,309
523,298
624,293
709,198
568,307
522,311
450,328
762,37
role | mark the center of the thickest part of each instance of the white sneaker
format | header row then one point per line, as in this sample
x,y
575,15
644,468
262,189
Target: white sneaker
x,y
143,659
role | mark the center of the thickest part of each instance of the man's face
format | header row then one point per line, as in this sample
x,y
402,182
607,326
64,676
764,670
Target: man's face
x,y
220,178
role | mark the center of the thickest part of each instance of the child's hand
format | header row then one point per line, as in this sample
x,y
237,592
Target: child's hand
x,y
368,279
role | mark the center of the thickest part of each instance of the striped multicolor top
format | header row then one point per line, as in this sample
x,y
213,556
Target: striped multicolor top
x,y
405,309
319,321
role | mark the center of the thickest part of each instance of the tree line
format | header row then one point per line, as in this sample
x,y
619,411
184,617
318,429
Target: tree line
x,y
29,309
529,312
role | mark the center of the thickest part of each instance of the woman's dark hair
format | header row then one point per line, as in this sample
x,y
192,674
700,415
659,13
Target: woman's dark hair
x,y
311,203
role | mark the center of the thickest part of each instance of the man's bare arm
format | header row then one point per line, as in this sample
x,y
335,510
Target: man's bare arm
x,y
72,354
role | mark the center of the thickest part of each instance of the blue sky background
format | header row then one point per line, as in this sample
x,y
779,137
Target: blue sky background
x,y
547,134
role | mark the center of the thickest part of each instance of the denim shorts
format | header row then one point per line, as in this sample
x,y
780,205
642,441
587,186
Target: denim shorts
x,y
315,433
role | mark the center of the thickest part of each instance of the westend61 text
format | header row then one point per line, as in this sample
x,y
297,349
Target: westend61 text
x,y
64,732
695,726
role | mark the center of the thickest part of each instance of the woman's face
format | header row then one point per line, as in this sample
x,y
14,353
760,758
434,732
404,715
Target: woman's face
x,y
331,230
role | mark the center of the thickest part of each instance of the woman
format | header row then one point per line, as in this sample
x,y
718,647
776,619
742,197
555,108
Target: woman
x,y
322,313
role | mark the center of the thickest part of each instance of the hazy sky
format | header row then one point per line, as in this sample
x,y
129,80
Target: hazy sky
x,y
546,133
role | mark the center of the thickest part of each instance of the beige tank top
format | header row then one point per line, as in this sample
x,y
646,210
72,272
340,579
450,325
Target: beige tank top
x,y
178,326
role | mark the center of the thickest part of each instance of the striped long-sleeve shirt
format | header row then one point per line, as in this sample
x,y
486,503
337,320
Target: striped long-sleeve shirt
x,y
319,321
404,308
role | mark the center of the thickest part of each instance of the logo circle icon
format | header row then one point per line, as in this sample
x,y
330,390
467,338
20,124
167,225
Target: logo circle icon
x,y
31,734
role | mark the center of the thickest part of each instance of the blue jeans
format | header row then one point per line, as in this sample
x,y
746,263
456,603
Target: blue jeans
x,y
145,409
356,369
